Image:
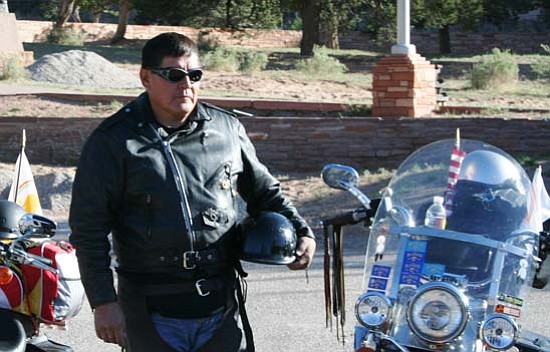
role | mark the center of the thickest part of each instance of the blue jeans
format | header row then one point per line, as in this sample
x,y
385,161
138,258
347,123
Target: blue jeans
x,y
186,335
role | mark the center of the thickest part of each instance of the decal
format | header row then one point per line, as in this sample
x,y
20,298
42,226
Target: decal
x,y
380,271
510,299
511,311
413,261
431,269
378,283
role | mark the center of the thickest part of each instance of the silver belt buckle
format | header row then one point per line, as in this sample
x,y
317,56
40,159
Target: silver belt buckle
x,y
199,289
186,257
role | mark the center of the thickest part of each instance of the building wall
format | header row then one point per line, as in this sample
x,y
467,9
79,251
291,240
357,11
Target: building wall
x,y
469,43
300,144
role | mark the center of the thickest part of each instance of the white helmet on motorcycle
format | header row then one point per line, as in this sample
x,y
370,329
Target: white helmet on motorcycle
x,y
490,168
490,196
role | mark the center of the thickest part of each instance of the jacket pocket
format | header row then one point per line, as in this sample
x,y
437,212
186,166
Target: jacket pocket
x,y
220,178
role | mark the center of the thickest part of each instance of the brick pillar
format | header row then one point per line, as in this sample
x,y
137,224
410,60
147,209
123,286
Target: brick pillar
x,y
9,39
403,85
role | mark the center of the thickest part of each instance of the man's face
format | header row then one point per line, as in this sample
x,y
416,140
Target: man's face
x,y
172,102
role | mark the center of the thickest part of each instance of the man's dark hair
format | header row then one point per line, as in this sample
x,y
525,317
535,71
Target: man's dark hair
x,y
169,44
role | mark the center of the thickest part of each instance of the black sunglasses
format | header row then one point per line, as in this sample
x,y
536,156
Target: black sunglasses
x,y
176,74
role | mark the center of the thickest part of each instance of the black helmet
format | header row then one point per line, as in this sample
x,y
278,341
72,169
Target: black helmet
x,y
269,238
10,213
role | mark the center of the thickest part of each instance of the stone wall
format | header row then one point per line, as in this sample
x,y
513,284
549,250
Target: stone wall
x,y
461,43
469,43
300,144
36,31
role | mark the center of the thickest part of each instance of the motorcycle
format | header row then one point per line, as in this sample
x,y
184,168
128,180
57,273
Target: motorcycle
x,y
456,282
20,325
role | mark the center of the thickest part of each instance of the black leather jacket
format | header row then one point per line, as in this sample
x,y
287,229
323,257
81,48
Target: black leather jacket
x,y
125,184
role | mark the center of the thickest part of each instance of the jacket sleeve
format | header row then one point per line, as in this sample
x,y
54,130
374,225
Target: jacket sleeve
x,y
262,191
95,195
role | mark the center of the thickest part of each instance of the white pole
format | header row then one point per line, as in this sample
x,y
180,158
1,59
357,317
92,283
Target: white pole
x,y
403,45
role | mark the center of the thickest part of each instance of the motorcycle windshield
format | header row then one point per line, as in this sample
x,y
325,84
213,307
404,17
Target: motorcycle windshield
x,y
484,243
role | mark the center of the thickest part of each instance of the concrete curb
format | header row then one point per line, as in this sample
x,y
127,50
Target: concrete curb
x,y
240,103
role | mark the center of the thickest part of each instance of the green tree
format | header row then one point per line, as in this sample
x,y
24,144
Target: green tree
x,y
211,13
310,11
500,11
95,7
337,16
123,12
442,14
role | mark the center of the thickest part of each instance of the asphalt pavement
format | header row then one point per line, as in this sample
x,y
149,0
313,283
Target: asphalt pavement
x,y
287,313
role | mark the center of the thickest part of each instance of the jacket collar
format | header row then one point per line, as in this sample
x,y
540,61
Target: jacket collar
x,y
144,117
144,112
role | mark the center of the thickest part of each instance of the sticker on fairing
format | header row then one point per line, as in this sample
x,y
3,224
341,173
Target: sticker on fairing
x,y
378,283
511,311
380,271
510,299
413,261
378,280
431,269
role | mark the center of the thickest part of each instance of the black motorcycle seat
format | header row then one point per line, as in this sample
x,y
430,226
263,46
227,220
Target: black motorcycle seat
x,y
12,333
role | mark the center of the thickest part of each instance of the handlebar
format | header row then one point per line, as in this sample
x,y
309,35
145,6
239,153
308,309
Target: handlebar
x,y
354,216
347,218
20,256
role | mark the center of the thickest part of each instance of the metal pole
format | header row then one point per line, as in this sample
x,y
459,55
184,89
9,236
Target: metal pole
x,y
403,45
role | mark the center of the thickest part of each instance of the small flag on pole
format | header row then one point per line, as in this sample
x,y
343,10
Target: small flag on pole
x,y
541,209
457,156
23,189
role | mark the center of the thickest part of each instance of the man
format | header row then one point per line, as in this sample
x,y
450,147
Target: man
x,y
163,175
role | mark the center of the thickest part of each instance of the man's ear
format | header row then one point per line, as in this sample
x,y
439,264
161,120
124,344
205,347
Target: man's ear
x,y
145,76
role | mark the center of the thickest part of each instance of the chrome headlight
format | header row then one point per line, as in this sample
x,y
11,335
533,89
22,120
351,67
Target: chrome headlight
x,y
437,313
372,309
499,331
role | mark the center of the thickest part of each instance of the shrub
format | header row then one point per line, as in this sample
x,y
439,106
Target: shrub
x,y
12,68
321,63
206,43
66,36
221,59
251,61
495,71
541,66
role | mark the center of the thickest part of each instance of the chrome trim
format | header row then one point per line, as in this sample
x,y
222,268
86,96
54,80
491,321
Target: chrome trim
x,y
462,299
362,298
509,320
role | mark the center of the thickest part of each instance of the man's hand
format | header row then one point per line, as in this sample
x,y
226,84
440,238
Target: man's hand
x,y
109,323
305,248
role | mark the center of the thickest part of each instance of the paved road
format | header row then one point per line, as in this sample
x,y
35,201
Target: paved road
x,y
287,314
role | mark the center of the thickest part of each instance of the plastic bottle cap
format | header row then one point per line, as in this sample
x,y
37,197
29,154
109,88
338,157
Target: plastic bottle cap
x,y
438,199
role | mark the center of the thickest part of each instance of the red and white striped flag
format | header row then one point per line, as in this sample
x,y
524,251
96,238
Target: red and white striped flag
x,y
457,156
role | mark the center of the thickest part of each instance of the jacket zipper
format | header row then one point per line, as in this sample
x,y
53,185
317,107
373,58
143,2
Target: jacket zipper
x,y
184,203
178,179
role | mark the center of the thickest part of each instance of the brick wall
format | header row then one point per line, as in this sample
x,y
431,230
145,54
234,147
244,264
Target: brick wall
x,y
304,144
470,43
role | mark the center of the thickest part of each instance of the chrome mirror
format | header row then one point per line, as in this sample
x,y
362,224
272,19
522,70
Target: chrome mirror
x,y
34,225
340,176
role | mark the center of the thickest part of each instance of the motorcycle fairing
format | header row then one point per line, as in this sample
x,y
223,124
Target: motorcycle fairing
x,y
491,264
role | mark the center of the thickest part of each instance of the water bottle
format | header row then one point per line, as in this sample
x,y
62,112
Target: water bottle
x,y
436,216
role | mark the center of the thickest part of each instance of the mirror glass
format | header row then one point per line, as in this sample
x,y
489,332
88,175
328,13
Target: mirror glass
x,y
340,176
37,225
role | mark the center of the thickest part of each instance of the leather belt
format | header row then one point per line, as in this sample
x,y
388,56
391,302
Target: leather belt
x,y
202,287
191,259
